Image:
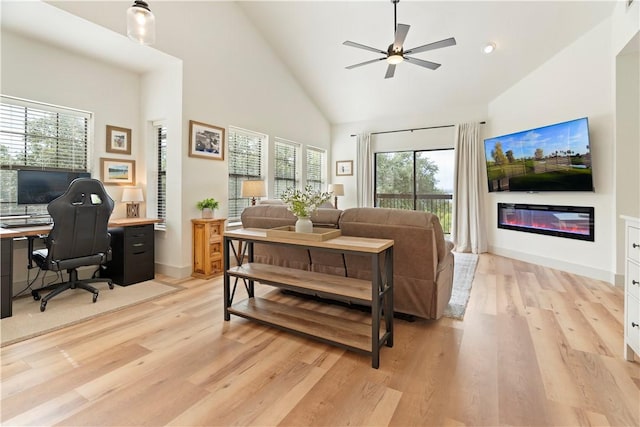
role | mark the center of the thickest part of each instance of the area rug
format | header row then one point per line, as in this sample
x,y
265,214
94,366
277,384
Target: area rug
x,y
463,272
74,306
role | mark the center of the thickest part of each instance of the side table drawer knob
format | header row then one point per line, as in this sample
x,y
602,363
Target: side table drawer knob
x,y
635,245
635,325
635,282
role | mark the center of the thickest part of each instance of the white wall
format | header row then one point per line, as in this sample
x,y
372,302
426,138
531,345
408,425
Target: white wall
x,y
577,82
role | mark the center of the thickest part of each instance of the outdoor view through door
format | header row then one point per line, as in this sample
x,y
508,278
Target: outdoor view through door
x,y
418,180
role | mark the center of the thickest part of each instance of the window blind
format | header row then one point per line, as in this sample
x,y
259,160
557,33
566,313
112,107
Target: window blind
x,y
316,167
245,162
286,166
38,136
162,172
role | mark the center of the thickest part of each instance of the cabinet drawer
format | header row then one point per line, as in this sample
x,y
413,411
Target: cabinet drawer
x,y
633,318
633,279
633,243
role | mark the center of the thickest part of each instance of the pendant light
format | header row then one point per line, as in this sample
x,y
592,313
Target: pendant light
x,y
141,24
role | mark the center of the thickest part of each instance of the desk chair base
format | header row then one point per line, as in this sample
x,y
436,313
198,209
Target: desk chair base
x,y
73,283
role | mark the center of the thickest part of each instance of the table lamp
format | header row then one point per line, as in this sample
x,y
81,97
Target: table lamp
x,y
253,189
337,190
132,197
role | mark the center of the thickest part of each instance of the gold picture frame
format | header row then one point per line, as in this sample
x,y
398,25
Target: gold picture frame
x,y
117,171
206,141
344,168
118,140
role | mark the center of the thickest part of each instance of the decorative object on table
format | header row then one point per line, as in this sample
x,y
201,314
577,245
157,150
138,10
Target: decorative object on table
x,y
207,206
336,190
344,168
132,197
303,203
317,234
206,141
253,188
117,171
118,140
141,23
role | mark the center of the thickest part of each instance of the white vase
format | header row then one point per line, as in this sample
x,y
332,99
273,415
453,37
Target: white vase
x,y
304,225
207,213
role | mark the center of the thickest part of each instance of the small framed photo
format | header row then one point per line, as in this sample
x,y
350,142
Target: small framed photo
x,y
117,171
118,140
344,167
206,141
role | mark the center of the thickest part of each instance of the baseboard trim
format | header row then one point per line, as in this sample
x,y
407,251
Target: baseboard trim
x,y
582,270
173,271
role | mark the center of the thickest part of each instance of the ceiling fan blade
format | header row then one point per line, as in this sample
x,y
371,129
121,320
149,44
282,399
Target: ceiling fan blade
x,y
431,46
426,64
361,46
391,69
365,63
401,34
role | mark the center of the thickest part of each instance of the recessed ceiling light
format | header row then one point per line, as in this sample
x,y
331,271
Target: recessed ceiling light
x,y
489,47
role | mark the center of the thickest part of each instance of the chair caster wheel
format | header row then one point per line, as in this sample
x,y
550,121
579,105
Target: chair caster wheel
x,y
43,306
95,297
35,295
110,285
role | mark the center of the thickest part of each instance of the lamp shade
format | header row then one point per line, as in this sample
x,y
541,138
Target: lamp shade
x,y
132,195
141,24
336,189
253,188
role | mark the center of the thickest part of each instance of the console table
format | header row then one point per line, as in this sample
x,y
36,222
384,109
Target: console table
x,y
356,336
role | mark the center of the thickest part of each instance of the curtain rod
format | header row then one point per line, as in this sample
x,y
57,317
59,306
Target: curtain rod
x,y
411,130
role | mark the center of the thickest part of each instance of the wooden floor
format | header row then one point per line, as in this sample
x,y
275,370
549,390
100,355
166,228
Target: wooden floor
x,y
536,347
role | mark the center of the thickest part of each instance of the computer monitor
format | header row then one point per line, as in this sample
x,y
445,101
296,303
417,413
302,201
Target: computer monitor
x,y
36,187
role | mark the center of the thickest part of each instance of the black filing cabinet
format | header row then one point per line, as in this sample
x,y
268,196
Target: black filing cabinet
x,y
6,283
133,254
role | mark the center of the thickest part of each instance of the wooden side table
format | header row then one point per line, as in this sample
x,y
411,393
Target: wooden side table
x,y
207,247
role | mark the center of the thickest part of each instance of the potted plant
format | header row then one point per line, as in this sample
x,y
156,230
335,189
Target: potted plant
x,y
207,206
303,203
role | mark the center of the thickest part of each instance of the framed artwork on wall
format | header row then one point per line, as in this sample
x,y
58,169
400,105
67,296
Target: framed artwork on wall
x,y
206,141
344,167
118,140
117,171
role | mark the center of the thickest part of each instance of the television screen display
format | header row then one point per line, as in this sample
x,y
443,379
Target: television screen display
x,y
550,158
37,187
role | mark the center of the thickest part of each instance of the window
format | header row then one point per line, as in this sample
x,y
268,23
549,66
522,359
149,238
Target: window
x,y
417,180
245,162
316,168
161,132
41,137
287,166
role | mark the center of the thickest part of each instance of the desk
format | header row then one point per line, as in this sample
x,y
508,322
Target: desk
x,y
8,234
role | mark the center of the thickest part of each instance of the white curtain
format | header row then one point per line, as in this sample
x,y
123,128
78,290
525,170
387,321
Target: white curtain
x,y
469,232
364,174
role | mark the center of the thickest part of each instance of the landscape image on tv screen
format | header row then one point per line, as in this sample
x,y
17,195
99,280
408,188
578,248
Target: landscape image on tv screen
x,y
551,158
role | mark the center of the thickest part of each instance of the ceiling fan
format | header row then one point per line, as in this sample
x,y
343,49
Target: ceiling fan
x,y
395,53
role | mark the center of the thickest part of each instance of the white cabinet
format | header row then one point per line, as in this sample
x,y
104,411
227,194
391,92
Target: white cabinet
x,y
632,288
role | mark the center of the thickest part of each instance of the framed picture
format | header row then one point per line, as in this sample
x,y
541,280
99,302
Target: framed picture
x,y
117,171
344,167
206,141
118,140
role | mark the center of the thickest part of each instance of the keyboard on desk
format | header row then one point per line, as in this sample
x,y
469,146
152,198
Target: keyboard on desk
x,y
26,223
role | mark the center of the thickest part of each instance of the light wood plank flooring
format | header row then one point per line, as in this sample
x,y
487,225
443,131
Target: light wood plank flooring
x,y
536,347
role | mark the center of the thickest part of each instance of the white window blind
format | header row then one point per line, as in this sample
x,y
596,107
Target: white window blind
x,y
316,168
38,136
287,166
161,132
245,162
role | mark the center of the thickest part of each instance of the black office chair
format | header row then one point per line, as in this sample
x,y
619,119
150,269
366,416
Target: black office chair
x,y
79,236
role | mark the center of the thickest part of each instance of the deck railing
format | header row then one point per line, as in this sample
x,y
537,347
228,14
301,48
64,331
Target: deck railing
x,y
440,205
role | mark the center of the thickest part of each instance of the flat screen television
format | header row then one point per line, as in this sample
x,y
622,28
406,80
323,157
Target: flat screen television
x,y
36,187
550,158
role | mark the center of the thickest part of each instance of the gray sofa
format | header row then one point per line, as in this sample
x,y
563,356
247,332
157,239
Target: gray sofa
x,y
423,261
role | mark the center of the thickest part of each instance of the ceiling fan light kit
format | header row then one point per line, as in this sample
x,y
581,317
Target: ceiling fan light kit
x,y
396,54
489,47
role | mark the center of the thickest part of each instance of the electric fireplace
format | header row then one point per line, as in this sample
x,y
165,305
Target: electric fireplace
x,y
573,222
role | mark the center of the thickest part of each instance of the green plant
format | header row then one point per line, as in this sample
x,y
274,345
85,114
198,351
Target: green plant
x,y
304,202
209,203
